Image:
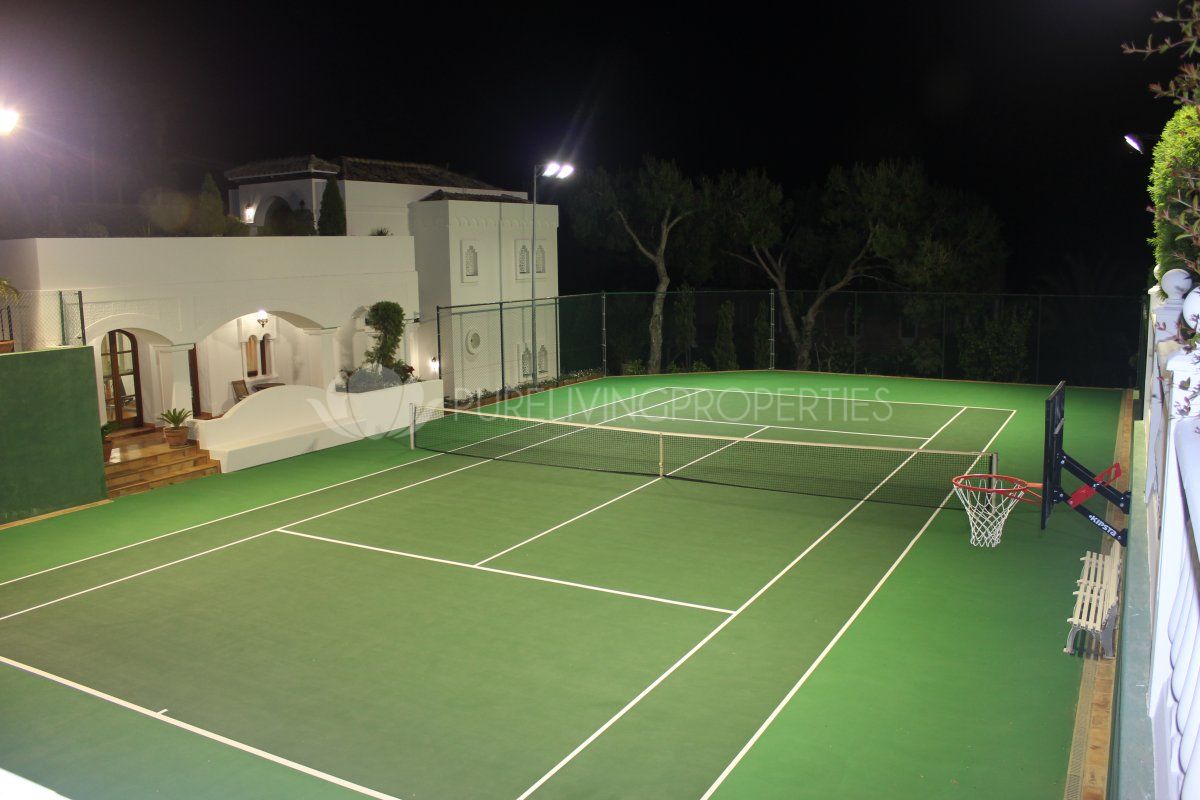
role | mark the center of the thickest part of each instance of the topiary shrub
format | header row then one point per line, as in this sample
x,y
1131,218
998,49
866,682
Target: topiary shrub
x,y
388,319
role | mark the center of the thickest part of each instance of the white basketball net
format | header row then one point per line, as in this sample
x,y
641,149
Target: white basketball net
x,y
988,500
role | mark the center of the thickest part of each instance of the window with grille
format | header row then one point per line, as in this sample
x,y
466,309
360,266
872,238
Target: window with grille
x,y
470,262
539,260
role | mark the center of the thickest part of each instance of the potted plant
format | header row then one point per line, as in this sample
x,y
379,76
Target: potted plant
x,y
106,431
175,432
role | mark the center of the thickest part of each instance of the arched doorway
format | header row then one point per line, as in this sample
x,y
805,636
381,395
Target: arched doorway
x,y
121,377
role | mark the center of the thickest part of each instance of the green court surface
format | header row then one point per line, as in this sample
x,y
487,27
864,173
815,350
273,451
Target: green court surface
x,y
373,620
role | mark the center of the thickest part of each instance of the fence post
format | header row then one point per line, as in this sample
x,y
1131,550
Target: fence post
x,y
438,320
503,356
857,334
771,362
62,318
1037,359
945,341
604,334
82,324
557,342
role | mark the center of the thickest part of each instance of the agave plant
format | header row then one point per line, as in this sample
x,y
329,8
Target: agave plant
x,y
175,417
8,292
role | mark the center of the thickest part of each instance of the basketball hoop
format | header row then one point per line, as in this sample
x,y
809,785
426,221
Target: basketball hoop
x,y
988,500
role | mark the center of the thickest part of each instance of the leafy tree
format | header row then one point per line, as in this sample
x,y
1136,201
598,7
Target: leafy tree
x,y
209,216
996,348
332,220
724,352
387,318
683,325
8,292
883,222
639,211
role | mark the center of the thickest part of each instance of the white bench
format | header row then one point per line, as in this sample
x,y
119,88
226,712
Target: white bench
x,y
1096,600
290,420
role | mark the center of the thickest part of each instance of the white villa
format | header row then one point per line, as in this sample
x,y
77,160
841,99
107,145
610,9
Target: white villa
x,y
178,321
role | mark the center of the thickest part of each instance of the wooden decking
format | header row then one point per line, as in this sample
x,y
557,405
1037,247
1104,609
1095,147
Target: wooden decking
x,y
141,460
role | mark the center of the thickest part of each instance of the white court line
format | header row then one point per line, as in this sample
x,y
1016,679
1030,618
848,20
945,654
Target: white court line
x,y
781,427
817,396
472,465
724,623
650,482
837,637
129,577
207,734
277,502
510,573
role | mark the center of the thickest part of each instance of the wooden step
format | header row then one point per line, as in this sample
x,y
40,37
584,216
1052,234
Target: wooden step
x,y
165,465
150,456
181,474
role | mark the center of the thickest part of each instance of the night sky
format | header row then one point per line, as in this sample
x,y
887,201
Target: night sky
x,y
1022,103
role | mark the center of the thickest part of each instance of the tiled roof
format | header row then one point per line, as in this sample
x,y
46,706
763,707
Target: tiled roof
x,y
475,198
370,169
279,167
357,169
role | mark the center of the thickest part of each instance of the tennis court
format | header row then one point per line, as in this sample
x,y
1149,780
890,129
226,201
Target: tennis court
x,y
742,585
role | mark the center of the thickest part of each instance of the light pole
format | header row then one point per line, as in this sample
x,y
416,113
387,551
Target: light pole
x,y
551,169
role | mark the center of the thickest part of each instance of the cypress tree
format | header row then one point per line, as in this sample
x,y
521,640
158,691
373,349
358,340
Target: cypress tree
x,y
724,353
209,217
332,219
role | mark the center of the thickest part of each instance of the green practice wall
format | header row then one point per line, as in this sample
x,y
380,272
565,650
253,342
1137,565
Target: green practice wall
x,y
50,449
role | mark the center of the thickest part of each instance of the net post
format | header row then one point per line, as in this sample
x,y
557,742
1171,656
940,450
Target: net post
x,y
503,356
412,427
660,455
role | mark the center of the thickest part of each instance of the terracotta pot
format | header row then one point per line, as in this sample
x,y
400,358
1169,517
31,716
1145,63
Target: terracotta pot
x,y
176,437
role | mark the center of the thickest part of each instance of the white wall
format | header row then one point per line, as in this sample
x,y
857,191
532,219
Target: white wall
x,y
182,290
259,196
443,230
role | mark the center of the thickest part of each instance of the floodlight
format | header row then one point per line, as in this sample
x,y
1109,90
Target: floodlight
x,y
565,171
1134,142
9,117
551,169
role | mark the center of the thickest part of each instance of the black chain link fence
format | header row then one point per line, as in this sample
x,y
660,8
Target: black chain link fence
x,y
1086,341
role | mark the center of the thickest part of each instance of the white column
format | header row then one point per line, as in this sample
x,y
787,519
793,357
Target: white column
x,y
321,356
174,374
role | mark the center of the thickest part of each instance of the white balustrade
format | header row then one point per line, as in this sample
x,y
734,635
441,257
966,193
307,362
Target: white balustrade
x,y
1172,496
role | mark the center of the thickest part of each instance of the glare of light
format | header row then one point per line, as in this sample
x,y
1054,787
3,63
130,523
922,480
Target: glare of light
x,y
9,118
1133,142
551,169
262,317
433,362
565,171
248,213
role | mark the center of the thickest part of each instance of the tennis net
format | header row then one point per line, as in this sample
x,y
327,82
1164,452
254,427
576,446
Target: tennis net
x,y
885,474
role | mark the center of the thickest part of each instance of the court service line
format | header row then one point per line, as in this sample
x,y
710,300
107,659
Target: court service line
x,y
787,698
207,734
130,577
817,396
510,573
282,500
650,482
724,623
472,465
781,427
